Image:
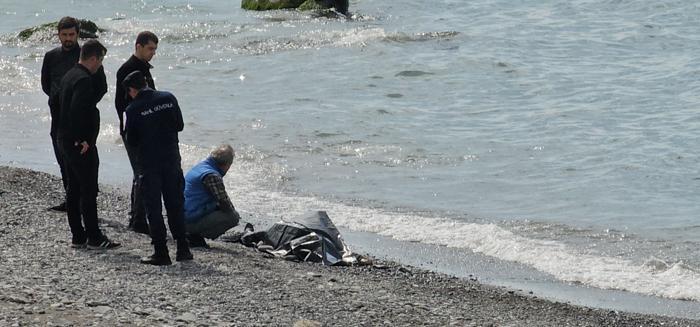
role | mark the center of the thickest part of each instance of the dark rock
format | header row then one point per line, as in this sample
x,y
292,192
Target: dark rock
x,y
88,30
270,4
340,6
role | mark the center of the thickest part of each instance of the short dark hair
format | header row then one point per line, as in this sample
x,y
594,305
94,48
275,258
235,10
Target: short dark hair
x,y
146,36
92,48
135,79
68,22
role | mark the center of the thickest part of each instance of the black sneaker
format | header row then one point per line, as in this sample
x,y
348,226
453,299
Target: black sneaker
x,y
103,244
197,241
79,245
61,207
183,251
184,255
157,260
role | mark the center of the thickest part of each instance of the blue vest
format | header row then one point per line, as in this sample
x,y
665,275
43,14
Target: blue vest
x,y
198,201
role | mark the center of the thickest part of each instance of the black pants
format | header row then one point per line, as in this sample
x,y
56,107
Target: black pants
x,y
59,160
169,183
137,213
81,191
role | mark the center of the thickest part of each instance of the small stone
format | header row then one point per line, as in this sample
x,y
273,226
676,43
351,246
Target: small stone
x,y
186,317
307,323
102,309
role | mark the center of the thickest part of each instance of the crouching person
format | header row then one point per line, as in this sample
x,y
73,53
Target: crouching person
x,y
153,120
209,212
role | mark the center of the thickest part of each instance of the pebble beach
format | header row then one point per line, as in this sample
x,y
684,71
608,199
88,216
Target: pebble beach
x,y
47,283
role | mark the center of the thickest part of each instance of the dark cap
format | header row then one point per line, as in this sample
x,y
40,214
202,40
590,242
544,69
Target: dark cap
x,y
135,79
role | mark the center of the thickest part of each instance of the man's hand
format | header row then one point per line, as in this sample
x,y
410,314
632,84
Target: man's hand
x,y
84,146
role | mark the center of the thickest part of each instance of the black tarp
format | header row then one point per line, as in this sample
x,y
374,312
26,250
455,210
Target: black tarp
x,y
309,237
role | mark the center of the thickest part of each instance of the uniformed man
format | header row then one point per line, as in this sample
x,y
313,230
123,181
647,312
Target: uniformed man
x,y
153,121
144,50
78,127
56,63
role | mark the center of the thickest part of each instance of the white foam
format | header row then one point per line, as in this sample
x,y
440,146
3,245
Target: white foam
x,y
655,277
670,281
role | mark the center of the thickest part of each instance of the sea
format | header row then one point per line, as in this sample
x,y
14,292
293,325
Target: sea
x,y
543,146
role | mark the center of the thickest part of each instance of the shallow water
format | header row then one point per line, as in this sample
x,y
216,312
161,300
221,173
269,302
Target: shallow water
x,y
556,135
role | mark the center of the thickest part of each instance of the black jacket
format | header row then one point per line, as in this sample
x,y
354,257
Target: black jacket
x,y
55,65
153,120
79,94
121,98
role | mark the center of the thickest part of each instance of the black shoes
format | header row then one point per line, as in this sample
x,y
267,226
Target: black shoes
x,y
102,244
61,207
78,244
163,259
157,260
160,257
197,241
183,251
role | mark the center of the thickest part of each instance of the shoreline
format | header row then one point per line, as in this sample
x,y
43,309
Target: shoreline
x,y
232,285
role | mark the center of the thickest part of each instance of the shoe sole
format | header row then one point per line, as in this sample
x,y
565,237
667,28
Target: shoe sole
x,y
93,247
78,246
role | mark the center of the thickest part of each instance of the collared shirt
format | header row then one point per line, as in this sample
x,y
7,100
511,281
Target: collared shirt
x,y
215,185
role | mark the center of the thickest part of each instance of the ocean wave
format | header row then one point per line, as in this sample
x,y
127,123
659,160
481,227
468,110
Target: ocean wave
x,y
675,281
15,77
655,277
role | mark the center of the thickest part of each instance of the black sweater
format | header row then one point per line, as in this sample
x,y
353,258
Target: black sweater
x,y
79,94
153,121
55,65
121,98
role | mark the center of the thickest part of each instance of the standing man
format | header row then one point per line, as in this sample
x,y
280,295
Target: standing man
x,y
153,120
79,125
145,49
56,63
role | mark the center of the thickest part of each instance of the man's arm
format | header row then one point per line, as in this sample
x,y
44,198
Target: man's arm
x,y
179,123
100,84
46,75
130,130
120,98
215,185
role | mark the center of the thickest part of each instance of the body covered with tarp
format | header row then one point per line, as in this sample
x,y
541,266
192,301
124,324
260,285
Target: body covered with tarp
x,y
310,237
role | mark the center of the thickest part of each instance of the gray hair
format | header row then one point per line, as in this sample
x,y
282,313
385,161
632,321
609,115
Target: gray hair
x,y
223,155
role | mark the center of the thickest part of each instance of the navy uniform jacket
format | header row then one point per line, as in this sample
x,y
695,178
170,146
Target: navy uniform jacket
x,y
121,98
56,64
153,120
79,94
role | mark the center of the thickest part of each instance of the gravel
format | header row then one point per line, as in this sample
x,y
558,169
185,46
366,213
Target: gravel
x,y
45,282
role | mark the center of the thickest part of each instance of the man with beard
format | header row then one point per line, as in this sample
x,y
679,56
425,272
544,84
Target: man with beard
x,y
144,50
78,127
56,63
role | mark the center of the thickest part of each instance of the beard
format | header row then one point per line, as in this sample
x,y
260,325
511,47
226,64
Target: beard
x,y
68,44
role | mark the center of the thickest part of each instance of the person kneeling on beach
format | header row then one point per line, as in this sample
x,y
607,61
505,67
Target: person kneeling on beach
x,y
153,120
209,212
